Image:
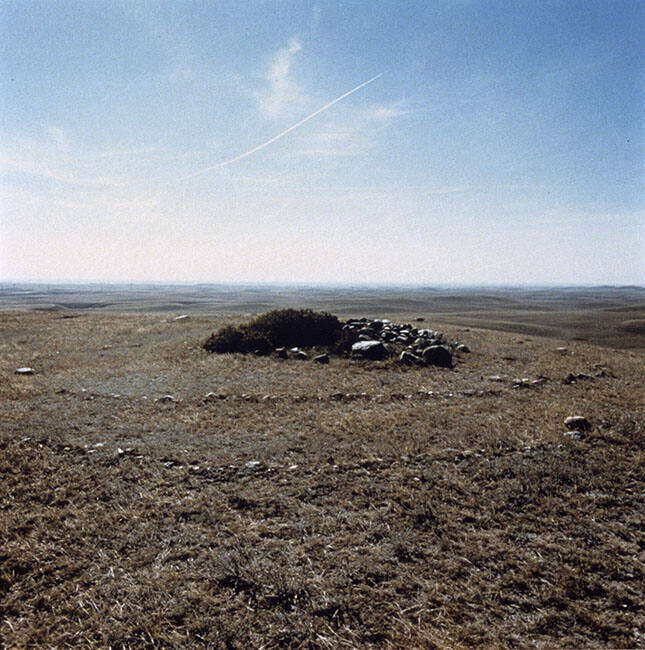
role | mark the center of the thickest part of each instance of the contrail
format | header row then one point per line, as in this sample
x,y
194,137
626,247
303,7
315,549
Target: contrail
x,y
281,135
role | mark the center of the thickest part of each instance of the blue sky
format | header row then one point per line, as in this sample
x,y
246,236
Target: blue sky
x,y
503,143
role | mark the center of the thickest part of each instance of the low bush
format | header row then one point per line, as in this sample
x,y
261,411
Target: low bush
x,y
226,339
345,341
278,328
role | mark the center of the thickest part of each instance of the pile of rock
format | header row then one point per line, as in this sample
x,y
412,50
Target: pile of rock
x,y
378,339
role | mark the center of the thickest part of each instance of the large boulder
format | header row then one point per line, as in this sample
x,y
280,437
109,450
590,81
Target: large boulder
x,y
438,355
373,350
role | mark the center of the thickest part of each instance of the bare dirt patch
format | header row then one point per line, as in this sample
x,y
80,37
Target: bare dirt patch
x,y
354,504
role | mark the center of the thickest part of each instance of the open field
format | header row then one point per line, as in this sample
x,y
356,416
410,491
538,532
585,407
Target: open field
x,y
610,316
350,505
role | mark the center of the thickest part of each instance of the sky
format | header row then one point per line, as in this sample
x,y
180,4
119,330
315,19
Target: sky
x,y
181,141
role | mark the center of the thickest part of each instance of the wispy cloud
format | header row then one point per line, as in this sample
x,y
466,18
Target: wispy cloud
x,y
335,141
385,113
281,135
351,133
54,177
54,158
283,95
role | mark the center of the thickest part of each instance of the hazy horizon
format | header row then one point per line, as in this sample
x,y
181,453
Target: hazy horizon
x,y
314,285
458,143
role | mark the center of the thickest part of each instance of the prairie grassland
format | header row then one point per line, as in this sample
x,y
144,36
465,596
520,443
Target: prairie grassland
x,y
350,505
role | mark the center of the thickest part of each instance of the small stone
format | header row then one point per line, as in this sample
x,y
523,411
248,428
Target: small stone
x,y
281,353
562,349
572,379
253,464
322,358
182,317
409,359
25,371
301,355
575,435
577,423
496,378
462,347
166,399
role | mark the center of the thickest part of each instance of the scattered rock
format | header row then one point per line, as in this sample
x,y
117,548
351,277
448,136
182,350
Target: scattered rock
x,y
166,399
562,350
462,347
182,317
497,378
300,355
25,371
322,358
575,435
523,382
253,464
577,423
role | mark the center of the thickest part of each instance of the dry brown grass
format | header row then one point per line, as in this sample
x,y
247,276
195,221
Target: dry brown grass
x,y
390,506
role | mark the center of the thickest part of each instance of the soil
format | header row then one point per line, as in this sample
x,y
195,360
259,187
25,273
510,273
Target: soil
x,y
355,504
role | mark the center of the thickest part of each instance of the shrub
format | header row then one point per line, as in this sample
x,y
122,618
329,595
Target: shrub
x,y
226,339
257,342
297,327
346,339
278,328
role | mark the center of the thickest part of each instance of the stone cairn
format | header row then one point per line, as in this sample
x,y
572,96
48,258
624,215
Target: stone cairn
x,y
380,339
